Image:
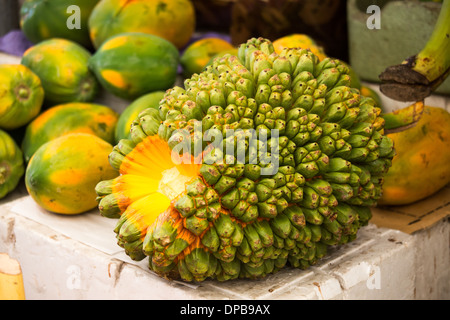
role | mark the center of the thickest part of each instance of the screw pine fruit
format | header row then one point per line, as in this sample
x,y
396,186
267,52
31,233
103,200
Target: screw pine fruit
x,y
313,158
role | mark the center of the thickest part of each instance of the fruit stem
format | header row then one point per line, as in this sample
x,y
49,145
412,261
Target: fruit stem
x,y
434,59
418,76
86,87
22,92
403,119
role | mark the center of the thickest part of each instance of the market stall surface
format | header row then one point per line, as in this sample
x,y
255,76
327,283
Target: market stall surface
x,y
76,257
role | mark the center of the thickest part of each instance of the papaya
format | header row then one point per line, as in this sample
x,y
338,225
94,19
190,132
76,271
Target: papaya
x,y
173,20
126,118
62,66
69,118
199,53
130,65
12,167
62,174
21,96
421,166
41,20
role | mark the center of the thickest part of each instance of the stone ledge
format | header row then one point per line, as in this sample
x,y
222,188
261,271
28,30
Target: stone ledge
x,y
380,264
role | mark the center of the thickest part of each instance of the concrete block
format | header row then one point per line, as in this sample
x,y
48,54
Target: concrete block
x,y
373,271
432,257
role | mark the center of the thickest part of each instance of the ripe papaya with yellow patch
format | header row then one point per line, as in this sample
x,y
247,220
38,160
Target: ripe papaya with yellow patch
x,y
69,118
21,96
421,166
130,65
173,20
62,66
11,164
62,174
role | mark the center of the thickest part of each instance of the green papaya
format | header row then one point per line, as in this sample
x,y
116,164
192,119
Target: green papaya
x,y
21,96
11,164
62,66
130,65
41,20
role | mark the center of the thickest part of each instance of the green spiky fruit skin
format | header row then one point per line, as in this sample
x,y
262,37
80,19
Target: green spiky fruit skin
x,y
233,221
149,100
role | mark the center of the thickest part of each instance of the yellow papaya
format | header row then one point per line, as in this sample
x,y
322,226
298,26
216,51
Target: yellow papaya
x,y
173,20
62,174
11,164
21,96
421,166
62,67
68,118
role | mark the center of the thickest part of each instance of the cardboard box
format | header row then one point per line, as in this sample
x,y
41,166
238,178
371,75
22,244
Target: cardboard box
x,y
416,216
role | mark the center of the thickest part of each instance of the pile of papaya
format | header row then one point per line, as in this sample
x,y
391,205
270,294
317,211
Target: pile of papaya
x,y
56,137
